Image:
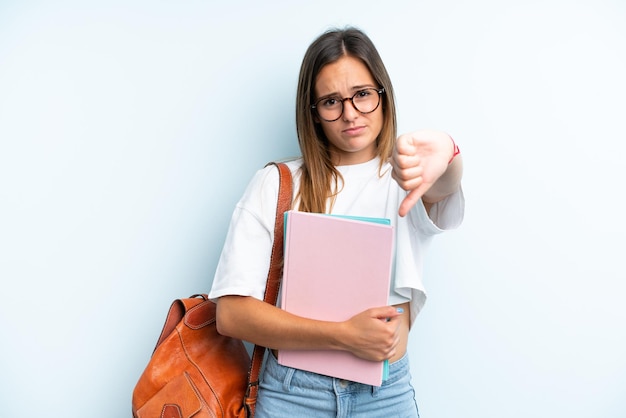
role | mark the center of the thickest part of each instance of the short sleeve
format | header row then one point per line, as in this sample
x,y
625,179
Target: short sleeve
x,y
245,258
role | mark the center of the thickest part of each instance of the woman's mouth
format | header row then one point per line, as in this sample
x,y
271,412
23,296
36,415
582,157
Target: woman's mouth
x,y
356,130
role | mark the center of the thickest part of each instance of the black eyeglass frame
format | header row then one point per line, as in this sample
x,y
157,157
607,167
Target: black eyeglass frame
x,y
380,92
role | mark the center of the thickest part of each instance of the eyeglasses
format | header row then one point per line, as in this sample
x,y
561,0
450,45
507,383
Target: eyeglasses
x,y
331,108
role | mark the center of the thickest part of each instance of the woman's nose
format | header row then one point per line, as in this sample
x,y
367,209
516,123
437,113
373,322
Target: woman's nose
x,y
349,111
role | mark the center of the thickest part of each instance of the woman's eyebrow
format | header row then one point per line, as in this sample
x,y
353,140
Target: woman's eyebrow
x,y
354,88
364,86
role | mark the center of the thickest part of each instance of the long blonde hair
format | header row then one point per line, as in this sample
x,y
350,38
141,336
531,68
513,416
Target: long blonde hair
x,y
319,177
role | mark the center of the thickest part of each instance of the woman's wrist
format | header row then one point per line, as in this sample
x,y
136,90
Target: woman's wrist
x,y
455,150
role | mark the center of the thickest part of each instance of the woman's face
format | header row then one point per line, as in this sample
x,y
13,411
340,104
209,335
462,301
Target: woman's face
x,y
352,137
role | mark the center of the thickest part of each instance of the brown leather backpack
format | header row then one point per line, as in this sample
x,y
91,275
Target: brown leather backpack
x,y
195,371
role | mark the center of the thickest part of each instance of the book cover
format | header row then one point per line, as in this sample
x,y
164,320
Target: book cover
x,y
335,267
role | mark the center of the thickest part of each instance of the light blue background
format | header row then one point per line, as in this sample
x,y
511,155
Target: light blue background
x,y
128,130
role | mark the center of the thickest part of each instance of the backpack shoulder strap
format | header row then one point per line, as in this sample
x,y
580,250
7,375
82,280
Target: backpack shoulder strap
x,y
285,197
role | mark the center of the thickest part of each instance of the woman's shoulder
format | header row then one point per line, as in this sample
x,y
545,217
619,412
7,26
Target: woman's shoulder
x,y
294,165
263,186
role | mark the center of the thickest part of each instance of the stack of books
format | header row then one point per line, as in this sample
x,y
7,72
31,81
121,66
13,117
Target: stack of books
x,y
335,267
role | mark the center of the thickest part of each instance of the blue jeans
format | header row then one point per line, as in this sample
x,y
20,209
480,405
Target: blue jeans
x,y
293,393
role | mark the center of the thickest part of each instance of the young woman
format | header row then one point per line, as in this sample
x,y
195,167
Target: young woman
x,y
352,163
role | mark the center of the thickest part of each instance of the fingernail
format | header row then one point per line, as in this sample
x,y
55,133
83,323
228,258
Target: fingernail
x,y
399,310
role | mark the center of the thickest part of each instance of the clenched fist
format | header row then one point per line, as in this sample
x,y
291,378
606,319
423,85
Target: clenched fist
x,y
419,159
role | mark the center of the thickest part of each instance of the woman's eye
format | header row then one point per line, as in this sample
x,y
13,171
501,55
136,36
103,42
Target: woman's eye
x,y
363,93
331,101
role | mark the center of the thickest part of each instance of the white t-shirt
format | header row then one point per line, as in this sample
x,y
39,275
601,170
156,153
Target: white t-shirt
x,y
244,262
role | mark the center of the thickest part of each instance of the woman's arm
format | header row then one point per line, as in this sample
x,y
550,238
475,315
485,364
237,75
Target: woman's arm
x,y
367,335
423,165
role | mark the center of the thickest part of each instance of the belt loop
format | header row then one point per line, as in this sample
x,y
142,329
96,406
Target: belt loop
x,y
287,379
375,390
